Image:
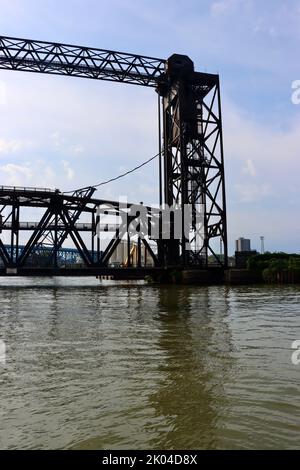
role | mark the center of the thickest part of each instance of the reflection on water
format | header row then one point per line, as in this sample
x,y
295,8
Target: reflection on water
x,y
93,367
191,395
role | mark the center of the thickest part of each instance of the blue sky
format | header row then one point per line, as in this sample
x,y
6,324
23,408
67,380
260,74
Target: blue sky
x,y
62,132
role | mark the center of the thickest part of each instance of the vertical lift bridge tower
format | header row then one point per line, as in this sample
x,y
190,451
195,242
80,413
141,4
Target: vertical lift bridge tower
x,y
192,164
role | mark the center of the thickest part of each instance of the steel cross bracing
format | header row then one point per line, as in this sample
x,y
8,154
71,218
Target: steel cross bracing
x,y
58,222
192,162
62,59
194,166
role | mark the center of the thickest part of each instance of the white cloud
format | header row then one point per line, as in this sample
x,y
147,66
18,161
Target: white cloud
x,y
10,146
70,173
49,173
16,175
262,26
272,156
36,173
249,168
77,150
57,139
269,152
253,192
222,7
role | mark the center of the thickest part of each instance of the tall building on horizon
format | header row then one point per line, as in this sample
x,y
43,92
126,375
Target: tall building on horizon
x,y
243,244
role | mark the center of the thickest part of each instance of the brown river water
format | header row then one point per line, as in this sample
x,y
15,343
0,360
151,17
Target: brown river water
x,y
90,366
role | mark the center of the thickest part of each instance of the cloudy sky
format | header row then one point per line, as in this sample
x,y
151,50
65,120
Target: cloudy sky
x,y
68,133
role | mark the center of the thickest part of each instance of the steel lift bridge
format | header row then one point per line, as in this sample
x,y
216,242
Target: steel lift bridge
x,y
191,172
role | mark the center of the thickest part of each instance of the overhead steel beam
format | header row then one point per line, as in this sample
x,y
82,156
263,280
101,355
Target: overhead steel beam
x,y
63,59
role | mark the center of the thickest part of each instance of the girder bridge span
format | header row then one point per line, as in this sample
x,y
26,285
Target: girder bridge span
x,y
190,172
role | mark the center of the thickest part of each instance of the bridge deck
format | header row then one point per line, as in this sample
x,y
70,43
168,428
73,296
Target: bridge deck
x,y
116,273
81,227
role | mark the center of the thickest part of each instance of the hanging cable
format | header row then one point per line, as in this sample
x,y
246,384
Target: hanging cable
x,y
117,177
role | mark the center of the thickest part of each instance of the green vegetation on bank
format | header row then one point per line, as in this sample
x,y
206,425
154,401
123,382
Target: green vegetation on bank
x,y
276,267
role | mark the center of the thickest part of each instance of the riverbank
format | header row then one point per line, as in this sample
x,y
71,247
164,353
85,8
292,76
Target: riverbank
x,y
236,277
232,276
268,268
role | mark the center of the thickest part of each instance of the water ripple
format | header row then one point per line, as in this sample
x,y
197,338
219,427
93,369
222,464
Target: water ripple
x,y
94,367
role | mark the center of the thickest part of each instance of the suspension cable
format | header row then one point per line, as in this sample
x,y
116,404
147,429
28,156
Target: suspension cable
x,y
119,176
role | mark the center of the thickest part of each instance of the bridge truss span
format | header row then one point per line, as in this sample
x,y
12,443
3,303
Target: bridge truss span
x,y
191,170
75,219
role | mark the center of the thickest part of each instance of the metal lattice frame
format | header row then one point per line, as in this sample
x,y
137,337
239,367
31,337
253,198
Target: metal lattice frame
x,y
192,142
194,166
59,221
63,59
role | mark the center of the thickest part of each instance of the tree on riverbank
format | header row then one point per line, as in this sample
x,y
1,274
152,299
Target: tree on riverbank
x,y
276,267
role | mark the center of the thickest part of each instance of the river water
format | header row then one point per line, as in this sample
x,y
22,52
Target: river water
x,y
92,366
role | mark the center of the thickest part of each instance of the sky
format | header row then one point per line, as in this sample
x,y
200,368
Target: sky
x,y
67,133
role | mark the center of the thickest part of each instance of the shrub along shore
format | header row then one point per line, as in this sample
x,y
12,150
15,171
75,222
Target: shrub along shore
x,y
276,267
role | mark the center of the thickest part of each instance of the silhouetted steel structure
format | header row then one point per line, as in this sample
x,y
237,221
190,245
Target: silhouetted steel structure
x,y
191,167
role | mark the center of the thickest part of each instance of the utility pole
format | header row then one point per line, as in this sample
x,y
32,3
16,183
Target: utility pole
x,y
262,245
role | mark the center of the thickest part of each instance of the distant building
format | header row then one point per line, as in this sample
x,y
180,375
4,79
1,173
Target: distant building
x,y
243,244
243,252
120,257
